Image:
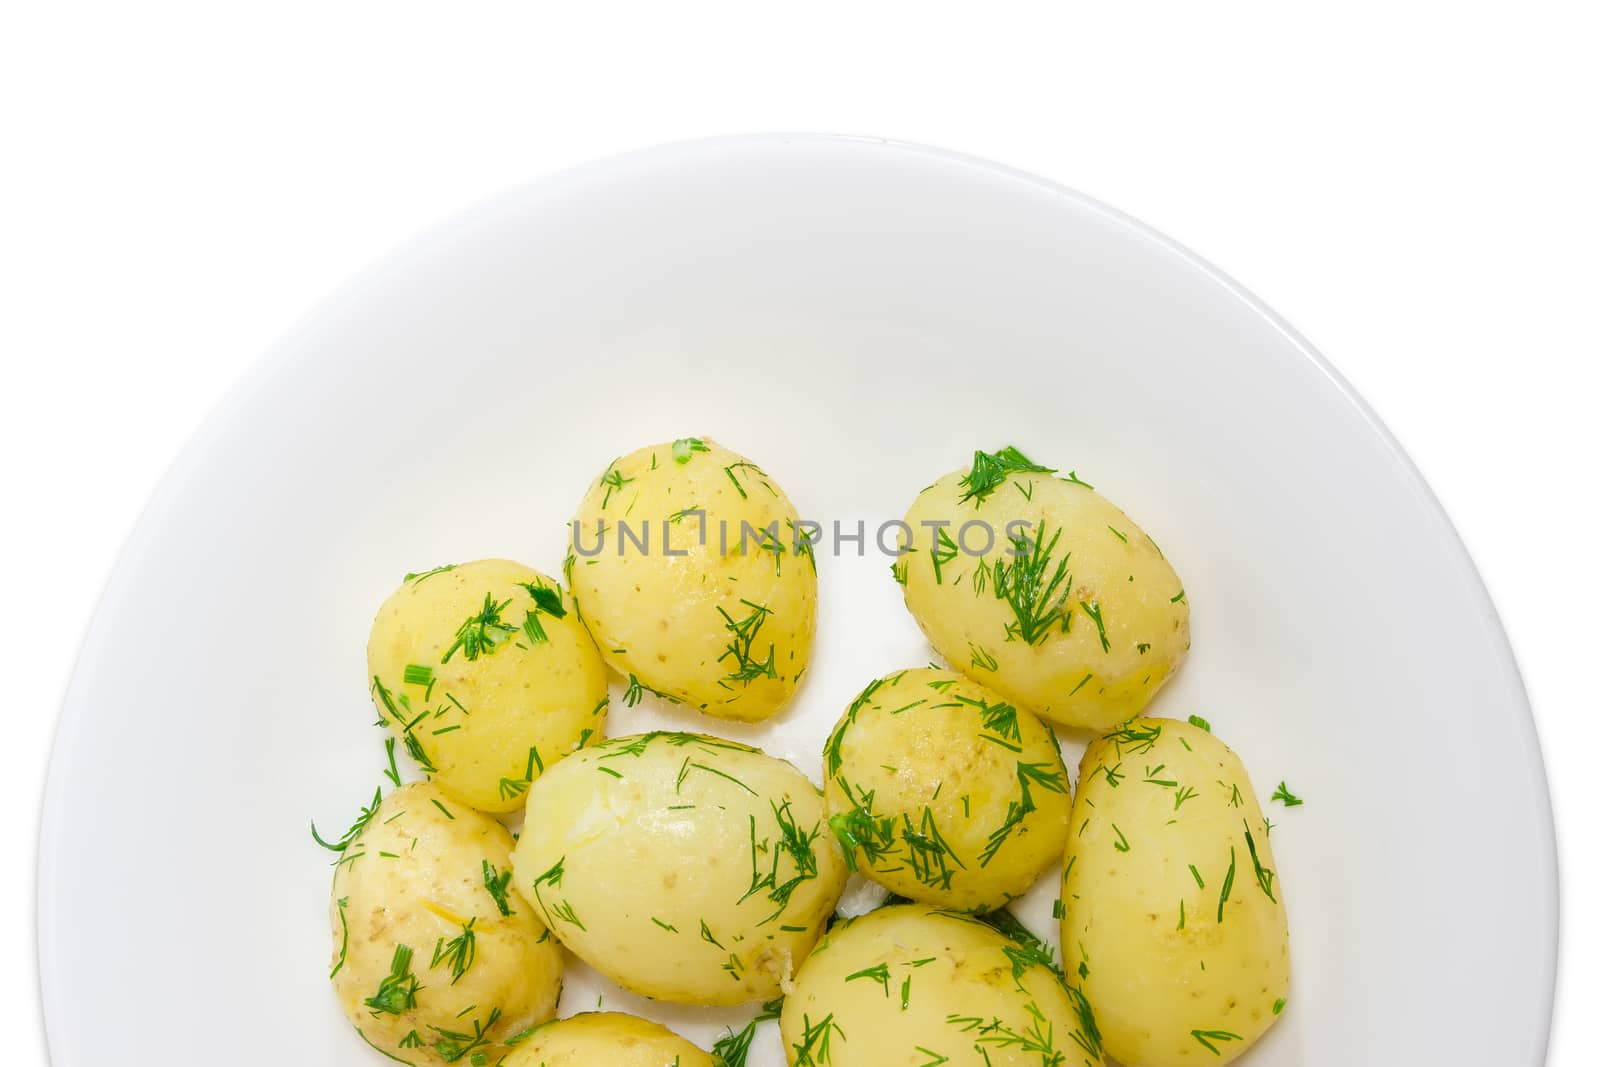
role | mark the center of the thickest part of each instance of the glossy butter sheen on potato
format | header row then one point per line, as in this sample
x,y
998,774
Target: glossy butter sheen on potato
x,y
908,986
686,868
1043,590
605,1039
1173,916
945,793
690,571
485,673
436,957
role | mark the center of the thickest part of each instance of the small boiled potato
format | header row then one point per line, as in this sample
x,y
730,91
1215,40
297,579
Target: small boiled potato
x,y
436,957
945,793
691,570
686,868
1173,911
611,1039
908,986
488,676
1043,590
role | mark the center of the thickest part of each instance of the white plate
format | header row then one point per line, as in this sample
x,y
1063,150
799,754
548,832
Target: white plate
x,y
859,316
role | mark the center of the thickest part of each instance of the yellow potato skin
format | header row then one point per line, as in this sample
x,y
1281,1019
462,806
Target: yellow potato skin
x,y
716,625
494,714
1074,676
661,861
415,876
1167,962
907,985
943,752
611,1039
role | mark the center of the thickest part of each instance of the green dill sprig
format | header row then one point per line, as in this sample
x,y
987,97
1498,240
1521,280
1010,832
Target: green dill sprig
x,y
1035,585
459,953
943,551
733,1048
562,910
792,842
415,750
498,884
858,828
990,469
920,845
928,853
813,1049
397,993
613,480
746,465
391,706
1227,883
833,751
361,821
392,772
878,973
1030,951
684,448
453,1045
637,689
482,632
546,598
1134,737
1286,798
1037,1038
690,764
1093,610
422,576
998,721
1264,875
1029,775
1209,1037
747,668
344,941
515,787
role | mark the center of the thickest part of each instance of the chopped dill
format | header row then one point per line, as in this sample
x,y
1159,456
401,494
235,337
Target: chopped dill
x,y
990,469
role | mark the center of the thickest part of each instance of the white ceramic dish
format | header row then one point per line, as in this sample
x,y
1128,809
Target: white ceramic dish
x,y
454,402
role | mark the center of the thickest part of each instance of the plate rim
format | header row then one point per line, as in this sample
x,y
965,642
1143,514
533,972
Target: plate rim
x,y
435,238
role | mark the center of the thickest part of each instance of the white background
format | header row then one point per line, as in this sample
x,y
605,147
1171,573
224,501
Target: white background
x,y
1413,185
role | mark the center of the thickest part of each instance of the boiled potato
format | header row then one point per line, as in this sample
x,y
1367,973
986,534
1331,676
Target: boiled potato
x,y
1173,911
686,868
436,957
691,571
944,793
908,986
1043,590
608,1038
488,676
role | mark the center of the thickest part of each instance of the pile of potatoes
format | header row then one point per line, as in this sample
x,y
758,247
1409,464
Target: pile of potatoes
x,y
696,870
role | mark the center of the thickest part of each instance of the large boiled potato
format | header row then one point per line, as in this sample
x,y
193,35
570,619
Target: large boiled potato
x,y
605,1039
1043,590
944,793
686,868
907,986
691,571
1173,911
488,676
436,957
